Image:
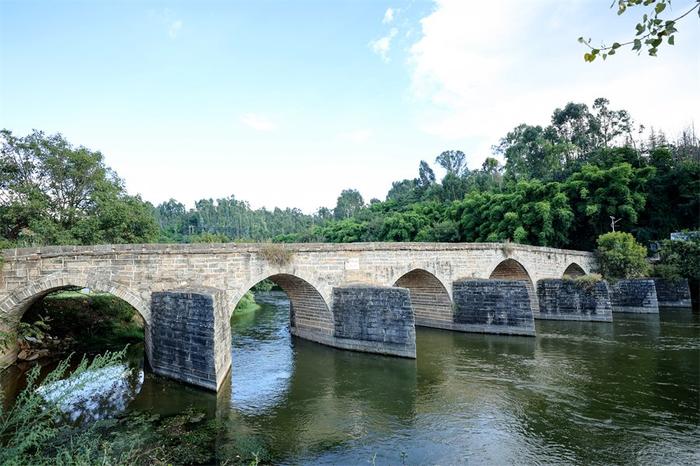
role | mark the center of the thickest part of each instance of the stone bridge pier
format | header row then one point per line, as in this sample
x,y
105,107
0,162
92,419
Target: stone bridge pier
x,y
360,296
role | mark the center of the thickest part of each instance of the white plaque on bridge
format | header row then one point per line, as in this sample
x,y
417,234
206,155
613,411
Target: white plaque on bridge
x,y
352,264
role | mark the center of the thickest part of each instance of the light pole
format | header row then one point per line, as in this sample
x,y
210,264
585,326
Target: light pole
x,y
613,222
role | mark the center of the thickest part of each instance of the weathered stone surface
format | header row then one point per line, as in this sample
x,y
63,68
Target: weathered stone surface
x,y
672,292
191,336
375,320
637,295
134,271
565,299
493,306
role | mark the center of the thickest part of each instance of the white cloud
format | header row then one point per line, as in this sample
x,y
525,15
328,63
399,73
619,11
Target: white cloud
x,y
388,16
382,46
166,17
174,28
480,78
357,136
258,122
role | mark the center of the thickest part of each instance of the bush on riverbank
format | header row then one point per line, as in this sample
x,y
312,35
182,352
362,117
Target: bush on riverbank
x,y
620,256
681,259
246,304
35,431
88,321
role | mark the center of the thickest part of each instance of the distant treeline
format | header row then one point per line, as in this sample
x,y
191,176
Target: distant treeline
x,y
561,185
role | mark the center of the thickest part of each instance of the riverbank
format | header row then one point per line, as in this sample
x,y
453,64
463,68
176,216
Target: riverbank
x,y
77,321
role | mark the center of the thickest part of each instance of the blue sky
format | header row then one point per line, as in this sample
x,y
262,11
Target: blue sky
x,y
287,103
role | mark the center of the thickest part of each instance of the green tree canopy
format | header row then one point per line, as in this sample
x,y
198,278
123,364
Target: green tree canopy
x,y
620,256
52,192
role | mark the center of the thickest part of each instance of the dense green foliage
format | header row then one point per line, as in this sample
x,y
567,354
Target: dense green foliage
x,y
54,193
679,259
559,186
90,320
620,256
246,303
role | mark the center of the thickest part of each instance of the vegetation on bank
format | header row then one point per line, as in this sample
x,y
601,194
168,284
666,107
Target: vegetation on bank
x,y
34,430
620,256
73,320
560,185
246,304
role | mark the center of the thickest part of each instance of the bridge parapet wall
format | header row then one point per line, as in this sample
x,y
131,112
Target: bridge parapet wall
x,y
135,272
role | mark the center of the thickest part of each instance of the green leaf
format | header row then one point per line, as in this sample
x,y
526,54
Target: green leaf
x,y
660,7
616,45
671,40
637,44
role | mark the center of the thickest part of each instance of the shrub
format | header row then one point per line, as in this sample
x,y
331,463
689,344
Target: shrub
x,y
587,281
33,422
679,259
620,256
276,254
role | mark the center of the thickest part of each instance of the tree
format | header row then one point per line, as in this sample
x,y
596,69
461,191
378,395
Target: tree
x,y
52,192
611,123
599,193
426,175
575,126
620,256
453,161
349,202
651,30
531,152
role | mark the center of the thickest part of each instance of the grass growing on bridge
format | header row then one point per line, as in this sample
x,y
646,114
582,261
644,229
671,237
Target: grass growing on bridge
x,y
276,254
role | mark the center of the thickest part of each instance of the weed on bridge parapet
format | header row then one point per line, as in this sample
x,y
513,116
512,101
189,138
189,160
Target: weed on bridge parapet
x,y
276,254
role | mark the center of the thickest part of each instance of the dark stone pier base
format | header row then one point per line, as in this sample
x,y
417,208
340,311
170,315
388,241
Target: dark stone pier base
x,y
191,336
565,299
637,295
374,320
673,292
492,306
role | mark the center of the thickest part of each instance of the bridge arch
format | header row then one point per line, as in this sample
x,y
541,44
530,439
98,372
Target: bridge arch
x,y
511,269
20,300
310,315
429,297
573,270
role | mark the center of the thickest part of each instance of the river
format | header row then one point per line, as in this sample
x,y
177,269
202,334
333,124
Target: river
x,y
625,393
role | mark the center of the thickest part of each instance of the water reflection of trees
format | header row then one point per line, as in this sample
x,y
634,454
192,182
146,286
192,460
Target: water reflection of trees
x,y
604,388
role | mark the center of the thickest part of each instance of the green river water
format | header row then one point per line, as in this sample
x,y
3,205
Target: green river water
x,y
626,392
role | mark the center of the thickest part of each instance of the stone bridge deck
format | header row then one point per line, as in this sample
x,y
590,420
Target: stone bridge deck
x,y
309,273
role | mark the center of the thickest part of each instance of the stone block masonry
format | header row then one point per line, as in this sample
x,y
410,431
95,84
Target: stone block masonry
x,y
375,320
637,295
566,299
134,272
673,292
191,336
493,306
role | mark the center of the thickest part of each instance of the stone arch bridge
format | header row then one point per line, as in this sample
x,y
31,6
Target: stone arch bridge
x,y
360,296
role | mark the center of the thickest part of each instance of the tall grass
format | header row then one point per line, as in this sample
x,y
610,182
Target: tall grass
x,y
32,425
